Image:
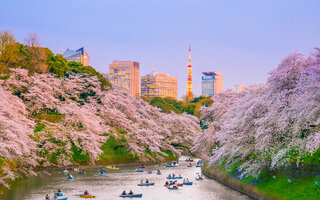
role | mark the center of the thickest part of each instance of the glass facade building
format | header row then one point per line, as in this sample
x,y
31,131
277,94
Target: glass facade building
x,y
80,55
159,85
212,83
126,74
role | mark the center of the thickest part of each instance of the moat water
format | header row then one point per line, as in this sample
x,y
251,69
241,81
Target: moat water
x,y
113,183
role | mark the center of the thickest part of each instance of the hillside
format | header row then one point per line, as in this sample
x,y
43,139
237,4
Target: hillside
x,y
50,121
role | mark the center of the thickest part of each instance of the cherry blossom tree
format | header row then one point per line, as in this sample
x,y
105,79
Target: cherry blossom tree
x,y
267,124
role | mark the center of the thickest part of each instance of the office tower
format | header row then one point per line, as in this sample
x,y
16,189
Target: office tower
x,y
126,74
189,94
212,83
80,55
159,85
238,87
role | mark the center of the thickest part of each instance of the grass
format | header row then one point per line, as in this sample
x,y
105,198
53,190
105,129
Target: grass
x,y
282,187
313,158
116,151
79,156
39,128
5,77
49,116
170,156
2,161
301,189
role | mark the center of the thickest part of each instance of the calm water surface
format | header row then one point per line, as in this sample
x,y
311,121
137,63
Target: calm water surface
x,y
110,186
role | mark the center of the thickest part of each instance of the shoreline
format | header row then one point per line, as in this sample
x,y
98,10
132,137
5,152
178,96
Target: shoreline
x,y
237,185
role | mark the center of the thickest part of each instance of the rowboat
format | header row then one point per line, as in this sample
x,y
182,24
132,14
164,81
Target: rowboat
x,y
101,174
146,184
63,198
180,184
199,178
112,168
102,170
171,166
149,172
81,172
189,166
76,169
189,160
87,196
140,170
176,177
142,167
172,187
132,195
70,177
158,173
59,194
198,165
187,183
65,171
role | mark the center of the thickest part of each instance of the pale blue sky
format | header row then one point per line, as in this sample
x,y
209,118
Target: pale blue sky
x,y
244,39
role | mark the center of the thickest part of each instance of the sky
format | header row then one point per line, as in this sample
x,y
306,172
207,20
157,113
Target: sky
x,y
243,39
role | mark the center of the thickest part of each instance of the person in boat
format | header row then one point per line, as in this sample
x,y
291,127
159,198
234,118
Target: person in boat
x,y
147,181
141,182
179,175
188,180
169,175
55,196
86,192
59,190
47,197
158,171
167,183
173,175
124,192
190,164
184,180
130,193
70,176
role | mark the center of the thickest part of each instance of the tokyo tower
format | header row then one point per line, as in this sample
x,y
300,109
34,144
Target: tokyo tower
x,y
189,80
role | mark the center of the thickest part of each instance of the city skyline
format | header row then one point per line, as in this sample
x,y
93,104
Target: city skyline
x,y
252,40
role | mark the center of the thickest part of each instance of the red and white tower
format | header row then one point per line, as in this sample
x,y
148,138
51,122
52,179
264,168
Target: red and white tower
x,y
189,80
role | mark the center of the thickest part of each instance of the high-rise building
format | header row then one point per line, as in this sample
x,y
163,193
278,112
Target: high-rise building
x,y
159,85
212,83
238,87
189,94
126,74
80,55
